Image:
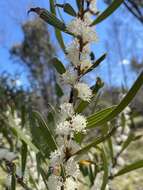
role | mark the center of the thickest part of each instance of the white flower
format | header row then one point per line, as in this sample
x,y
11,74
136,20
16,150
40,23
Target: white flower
x,y
56,157
80,28
67,109
93,6
72,168
71,184
120,161
127,110
72,146
17,120
79,123
84,91
117,148
75,26
89,35
55,182
123,137
73,52
98,181
85,64
114,171
69,77
88,18
126,129
63,128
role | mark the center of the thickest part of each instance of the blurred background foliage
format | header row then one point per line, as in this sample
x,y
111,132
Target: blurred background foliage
x,y
35,53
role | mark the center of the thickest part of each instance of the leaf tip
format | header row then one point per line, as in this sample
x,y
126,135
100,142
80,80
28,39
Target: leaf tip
x,y
36,10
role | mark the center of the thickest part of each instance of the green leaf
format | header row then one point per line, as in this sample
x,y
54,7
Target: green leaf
x,y
93,121
22,137
110,144
130,167
13,182
52,6
81,106
59,91
78,2
105,168
114,5
23,157
58,65
47,135
69,9
57,31
50,18
60,38
96,117
97,141
128,141
96,63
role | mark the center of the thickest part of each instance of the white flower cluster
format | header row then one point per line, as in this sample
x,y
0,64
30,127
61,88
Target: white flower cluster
x,y
121,136
70,123
82,29
31,172
78,51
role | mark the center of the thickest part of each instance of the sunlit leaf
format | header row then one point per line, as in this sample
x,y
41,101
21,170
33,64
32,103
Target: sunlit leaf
x,y
93,121
112,7
96,63
94,143
69,9
50,18
131,167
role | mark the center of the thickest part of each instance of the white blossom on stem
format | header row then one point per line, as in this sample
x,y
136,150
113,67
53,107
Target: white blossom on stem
x,y
79,123
84,91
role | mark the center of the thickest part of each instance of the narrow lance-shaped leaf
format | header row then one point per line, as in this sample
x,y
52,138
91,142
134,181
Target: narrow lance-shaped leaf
x,y
114,5
128,141
97,116
126,100
48,135
23,157
50,18
69,9
58,65
57,31
130,167
78,2
13,182
100,114
59,91
60,38
105,168
97,141
96,63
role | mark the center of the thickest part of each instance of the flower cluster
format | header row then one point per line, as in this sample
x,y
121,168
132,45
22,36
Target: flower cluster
x,y
123,130
63,167
70,123
78,51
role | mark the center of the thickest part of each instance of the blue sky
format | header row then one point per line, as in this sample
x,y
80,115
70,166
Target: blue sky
x,y
12,15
